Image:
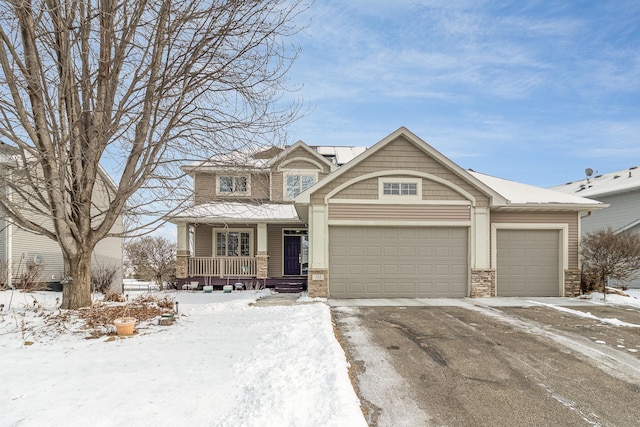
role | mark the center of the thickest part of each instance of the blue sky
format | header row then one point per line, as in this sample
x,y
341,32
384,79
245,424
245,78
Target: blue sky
x,y
533,91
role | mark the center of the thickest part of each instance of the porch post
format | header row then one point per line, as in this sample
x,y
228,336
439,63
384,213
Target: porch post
x,y
318,282
262,257
183,253
483,277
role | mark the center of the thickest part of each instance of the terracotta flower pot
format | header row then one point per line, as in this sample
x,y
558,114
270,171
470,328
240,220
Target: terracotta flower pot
x,y
125,325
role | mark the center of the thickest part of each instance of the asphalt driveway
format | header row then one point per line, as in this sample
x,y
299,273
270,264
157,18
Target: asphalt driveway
x,y
465,363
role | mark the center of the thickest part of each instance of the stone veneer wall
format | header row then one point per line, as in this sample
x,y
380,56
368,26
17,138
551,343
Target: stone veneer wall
x,y
182,265
572,283
318,283
262,266
483,283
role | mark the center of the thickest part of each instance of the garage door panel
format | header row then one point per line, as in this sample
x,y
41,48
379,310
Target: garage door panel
x,y
411,262
528,263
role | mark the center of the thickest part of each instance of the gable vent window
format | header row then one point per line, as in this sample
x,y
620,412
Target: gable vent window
x,y
394,189
400,188
233,184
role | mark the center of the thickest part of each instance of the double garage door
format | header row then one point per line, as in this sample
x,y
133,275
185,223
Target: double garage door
x,y
432,262
395,262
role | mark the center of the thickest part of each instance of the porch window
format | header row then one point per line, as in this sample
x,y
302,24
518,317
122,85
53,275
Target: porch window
x,y
296,184
233,243
233,184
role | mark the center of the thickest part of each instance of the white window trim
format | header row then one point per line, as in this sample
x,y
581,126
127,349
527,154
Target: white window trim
x,y
230,230
399,197
233,193
289,172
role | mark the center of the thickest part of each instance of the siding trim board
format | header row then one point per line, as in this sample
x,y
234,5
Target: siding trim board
x,y
399,212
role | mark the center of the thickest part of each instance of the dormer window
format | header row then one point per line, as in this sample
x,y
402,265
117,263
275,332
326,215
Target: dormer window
x,y
400,188
228,184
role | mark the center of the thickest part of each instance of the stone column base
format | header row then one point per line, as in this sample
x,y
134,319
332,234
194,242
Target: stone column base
x,y
182,265
318,283
483,283
262,266
572,283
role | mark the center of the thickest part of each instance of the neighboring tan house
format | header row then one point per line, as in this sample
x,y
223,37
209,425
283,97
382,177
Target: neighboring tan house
x,y
398,220
21,250
621,191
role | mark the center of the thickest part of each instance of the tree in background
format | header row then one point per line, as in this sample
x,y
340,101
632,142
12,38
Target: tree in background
x,y
141,87
606,254
152,258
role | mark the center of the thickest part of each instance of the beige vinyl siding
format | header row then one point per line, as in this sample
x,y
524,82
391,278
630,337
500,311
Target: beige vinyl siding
x,y
277,186
302,153
274,248
401,154
203,241
205,187
570,218
369,190
301,164
340,211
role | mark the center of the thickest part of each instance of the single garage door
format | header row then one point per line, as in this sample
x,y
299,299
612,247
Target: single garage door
x,y
393,262
528,263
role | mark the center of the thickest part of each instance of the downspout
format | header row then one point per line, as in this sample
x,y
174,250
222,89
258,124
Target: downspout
x,y
8,233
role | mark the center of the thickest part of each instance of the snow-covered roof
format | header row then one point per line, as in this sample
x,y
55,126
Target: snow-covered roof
x,y
603,184
341,155
233,159
524,194
237,212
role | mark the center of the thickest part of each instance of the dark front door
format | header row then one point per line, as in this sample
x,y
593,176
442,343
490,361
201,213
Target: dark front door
x,y
291,255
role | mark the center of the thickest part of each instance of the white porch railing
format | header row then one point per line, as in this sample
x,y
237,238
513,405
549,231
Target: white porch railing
x,y
222,266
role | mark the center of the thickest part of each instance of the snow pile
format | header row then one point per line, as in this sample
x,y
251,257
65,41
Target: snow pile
x,y
223,363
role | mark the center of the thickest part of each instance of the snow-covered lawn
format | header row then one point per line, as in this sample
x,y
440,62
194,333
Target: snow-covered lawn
x,y
223,363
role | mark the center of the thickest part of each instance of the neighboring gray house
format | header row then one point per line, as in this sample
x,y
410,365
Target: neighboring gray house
x,y
620,190
21,249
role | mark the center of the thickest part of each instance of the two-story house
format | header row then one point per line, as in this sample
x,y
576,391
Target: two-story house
x,y
243,226
398,219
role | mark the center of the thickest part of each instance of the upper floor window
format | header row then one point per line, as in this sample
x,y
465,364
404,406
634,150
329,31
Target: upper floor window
x,y
390,188
228,184
297,183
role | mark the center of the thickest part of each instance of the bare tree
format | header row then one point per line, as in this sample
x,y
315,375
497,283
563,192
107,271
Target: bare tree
x,y
607,254
140,86
152,257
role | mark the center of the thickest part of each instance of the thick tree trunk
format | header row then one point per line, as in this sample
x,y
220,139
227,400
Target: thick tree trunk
x,y
76,293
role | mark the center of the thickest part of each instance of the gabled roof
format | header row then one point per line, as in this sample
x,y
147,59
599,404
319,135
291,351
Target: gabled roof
x,y
503,193
604,184
284,154
236,212
518,194
304,197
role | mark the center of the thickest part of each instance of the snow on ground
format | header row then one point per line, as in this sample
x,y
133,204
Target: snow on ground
x,y
223,363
